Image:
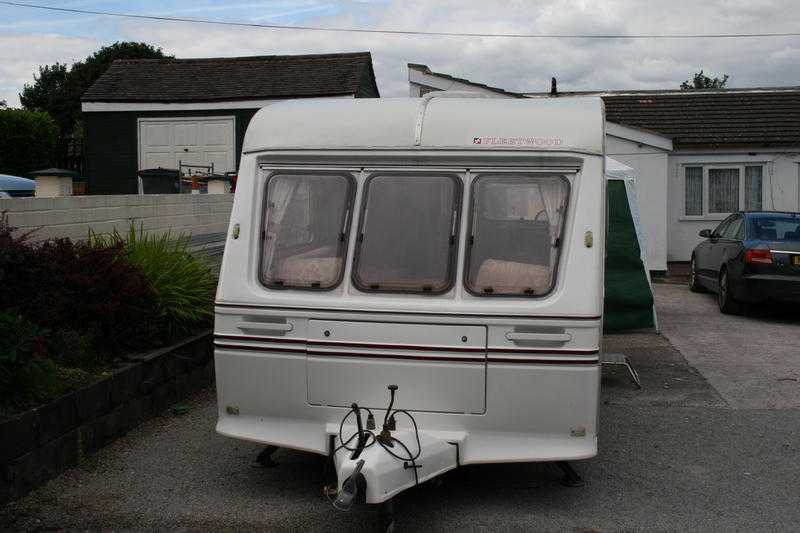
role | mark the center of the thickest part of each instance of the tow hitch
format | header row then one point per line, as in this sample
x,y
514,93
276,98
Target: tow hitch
x,y
388,462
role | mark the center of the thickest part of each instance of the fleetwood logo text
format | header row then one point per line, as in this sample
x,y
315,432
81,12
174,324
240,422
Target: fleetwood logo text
x,y
518,141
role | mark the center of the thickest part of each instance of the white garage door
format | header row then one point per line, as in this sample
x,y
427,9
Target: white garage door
x,y
196,141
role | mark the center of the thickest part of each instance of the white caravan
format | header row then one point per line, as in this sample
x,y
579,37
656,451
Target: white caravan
x,y
445,254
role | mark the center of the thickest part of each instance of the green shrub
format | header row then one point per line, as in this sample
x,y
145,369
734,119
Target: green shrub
x,y
27,141
183,283
69,348
67,309
20,339
70,379
90,289
25,374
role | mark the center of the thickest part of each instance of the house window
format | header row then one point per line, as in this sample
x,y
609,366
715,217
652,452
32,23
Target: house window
x,y
752,188
723,189
694,190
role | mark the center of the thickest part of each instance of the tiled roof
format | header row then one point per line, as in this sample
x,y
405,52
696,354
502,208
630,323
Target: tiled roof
x,y
237,78
714,118
717,119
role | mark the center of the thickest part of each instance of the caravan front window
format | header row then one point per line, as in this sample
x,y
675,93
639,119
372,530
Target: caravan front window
x,y
305,230
516,223
408,233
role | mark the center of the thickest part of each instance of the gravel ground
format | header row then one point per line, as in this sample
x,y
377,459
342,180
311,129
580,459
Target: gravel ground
x,y
676,455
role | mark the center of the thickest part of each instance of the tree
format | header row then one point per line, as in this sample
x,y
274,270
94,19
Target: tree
x,y
58,88
701,81
27,141
3,104
49,94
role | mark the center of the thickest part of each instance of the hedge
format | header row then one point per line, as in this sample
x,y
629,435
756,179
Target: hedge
x,y
27,141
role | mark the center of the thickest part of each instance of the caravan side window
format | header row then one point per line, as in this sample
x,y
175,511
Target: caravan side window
x,y
305,230
407,238
515,232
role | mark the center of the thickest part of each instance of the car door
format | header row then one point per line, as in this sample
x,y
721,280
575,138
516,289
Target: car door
x,y
717,245
706,255
730,241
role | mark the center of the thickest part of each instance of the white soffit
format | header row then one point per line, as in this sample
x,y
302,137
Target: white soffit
x,y
446,84
638,136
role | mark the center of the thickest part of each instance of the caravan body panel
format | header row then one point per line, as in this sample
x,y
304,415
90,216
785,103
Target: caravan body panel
x,y
494,344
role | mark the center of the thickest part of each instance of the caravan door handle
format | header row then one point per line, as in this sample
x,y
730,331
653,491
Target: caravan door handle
x,y
266,327
521,336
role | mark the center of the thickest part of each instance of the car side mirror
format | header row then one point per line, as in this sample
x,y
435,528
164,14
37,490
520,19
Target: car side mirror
x,y
705,233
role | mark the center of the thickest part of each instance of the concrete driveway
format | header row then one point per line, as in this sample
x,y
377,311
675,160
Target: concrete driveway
x,y
684,453
753,360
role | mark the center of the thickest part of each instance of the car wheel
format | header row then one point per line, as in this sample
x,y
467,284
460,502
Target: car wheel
x,y
694,285
727,304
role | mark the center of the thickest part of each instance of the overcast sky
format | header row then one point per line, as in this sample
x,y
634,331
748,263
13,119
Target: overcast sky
x,y
29,38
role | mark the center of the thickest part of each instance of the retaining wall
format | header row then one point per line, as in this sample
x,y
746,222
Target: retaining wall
x,y
43,442
74,216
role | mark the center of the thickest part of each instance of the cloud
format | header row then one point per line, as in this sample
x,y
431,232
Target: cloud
x,y
21,55
514,64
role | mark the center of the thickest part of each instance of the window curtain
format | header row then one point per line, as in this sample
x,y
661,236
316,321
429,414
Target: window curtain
x,y
752,188
281,191
723,190
553,195
694,191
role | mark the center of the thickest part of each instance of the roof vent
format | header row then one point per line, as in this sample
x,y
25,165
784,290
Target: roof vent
x,y
553,86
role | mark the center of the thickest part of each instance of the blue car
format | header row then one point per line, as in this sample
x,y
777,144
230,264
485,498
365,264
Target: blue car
x,y
14,186
751,257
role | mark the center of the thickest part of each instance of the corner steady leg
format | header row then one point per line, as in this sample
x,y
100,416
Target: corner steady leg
x,y
571,477
387,522
265,457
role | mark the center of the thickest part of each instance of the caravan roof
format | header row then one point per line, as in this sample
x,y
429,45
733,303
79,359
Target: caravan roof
x,y
436,121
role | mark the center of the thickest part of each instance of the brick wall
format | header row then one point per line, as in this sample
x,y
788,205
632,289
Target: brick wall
x,y
73,216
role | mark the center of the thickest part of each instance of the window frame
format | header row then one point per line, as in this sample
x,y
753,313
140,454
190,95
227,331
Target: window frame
x,y
739,189
469,237
452,270
727,223
722,226
686,190
739,235
751,220
346,225
706,214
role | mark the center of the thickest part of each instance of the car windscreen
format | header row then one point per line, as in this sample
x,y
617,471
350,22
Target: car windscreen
x,y
783,227
305,230
407,234
516,224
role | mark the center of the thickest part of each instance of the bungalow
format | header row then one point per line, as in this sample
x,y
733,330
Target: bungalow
x,y
149,113
698,155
